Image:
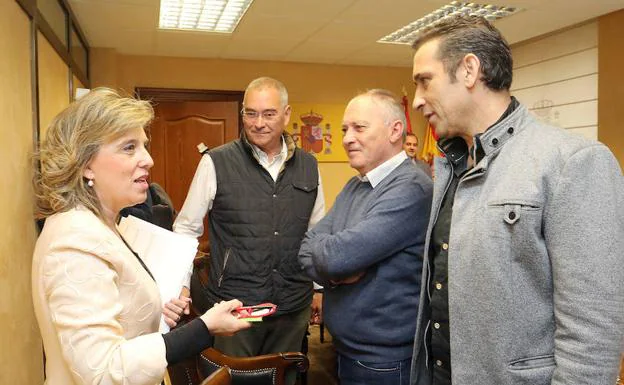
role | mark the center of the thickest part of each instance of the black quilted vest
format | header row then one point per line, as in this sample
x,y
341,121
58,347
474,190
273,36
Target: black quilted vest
x,y
256,227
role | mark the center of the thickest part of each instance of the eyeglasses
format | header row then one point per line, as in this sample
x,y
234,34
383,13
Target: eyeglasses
x,y
267,115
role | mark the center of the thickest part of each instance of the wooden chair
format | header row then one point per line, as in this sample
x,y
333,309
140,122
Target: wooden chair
x,y
220,377
269,369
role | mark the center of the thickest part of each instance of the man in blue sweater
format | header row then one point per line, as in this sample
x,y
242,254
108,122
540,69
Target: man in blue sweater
x,y
368,249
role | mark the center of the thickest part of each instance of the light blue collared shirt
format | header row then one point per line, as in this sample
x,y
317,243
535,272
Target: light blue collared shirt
x,y
376,175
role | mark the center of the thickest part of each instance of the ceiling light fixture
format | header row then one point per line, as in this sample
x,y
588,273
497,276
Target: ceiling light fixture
x,y
407,34
202,15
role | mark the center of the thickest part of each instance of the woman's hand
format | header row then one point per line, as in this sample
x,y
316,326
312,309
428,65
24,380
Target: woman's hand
x,y
222,319
174,309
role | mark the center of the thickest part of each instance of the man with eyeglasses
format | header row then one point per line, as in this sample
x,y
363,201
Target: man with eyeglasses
x,y
262,194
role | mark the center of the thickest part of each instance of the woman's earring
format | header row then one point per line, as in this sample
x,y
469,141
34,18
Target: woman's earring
x,y
90,183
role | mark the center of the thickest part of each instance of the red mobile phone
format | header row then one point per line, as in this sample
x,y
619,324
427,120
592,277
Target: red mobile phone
x,y
256,312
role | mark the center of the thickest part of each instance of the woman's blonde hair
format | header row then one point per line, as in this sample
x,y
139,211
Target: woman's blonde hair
x,y
72,140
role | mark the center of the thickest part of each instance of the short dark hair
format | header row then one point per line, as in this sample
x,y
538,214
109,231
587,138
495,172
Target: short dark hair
x,y
463,34
410,134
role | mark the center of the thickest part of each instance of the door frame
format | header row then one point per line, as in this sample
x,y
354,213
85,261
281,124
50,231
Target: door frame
x,y
156,95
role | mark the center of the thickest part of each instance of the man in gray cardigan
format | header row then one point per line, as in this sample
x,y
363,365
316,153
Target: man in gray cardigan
x,y
522,277
367,251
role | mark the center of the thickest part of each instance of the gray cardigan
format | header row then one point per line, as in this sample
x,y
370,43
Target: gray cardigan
x,y
535,261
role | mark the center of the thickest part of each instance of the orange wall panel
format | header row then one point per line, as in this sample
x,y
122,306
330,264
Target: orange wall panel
x,y
611,83
21,356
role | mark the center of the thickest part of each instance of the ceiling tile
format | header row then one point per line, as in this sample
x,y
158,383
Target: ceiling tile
x,y
272,26
314,10
261,48
190,43
136,43
99,19
321,51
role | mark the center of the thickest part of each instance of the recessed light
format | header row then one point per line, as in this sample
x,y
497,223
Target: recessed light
x,y
202,15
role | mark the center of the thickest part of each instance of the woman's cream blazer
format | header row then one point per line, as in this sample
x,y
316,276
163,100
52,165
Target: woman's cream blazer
x,y
98,309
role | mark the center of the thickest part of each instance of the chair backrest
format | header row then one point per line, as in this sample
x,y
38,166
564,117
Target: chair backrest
x,y
199,282
219,377
269,369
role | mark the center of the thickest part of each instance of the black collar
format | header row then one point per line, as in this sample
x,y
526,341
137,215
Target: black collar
x,y
476,151
456,150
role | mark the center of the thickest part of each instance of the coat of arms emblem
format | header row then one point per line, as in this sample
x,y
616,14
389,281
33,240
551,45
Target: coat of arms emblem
x,y
311,137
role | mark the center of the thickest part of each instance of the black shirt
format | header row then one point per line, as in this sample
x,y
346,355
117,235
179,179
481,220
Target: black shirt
x,y
438,334
456,151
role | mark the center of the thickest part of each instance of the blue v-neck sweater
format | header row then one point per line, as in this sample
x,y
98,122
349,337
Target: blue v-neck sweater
x,y
379,231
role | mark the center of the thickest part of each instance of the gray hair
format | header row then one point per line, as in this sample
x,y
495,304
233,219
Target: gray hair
x,y
267,82
393,109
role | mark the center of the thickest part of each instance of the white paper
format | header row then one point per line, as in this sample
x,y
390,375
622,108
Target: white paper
x,y
167,255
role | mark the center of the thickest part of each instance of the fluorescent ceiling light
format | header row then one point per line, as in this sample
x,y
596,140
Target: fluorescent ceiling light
x,y
407,34
202,15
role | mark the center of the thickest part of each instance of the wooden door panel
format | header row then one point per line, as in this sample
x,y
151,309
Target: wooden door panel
x,y
181,154
177,129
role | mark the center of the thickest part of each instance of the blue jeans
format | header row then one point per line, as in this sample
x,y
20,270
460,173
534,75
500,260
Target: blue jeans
x,y
354,372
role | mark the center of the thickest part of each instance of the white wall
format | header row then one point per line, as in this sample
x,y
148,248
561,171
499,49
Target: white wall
x,y
557,78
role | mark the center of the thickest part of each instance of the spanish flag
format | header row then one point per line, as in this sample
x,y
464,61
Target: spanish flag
x,y
429,147
406,108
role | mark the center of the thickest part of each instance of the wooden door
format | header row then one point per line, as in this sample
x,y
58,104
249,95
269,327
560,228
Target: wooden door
x,y
179,126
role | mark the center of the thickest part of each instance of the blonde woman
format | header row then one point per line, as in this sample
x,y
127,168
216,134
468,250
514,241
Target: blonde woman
x,y
97,305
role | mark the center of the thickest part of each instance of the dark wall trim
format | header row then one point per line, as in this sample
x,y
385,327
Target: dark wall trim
x,y
34,84
30,7
74,21
188,95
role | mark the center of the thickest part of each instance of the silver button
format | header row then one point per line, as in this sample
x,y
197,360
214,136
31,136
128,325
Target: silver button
x,y
276,233
438,285
445,246
436,325
274,195
438,362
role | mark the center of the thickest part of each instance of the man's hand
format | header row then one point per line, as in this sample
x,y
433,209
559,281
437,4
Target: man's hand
x,y
349,280
317,309
174,309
